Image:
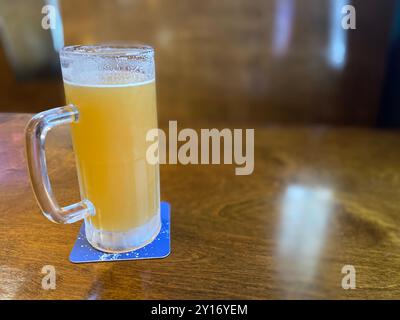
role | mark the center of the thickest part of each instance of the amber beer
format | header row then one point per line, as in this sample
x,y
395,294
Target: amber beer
x,y
111,105
110,143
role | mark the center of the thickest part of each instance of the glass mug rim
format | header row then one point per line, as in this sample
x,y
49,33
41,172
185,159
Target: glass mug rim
x,y
104,50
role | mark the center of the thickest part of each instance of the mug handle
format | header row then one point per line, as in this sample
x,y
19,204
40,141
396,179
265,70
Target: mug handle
x,y
35,136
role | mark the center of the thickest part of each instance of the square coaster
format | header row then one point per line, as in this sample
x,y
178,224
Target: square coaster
x,y
160,247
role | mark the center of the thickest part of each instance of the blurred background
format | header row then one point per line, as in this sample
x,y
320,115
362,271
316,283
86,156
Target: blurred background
x,y
256,62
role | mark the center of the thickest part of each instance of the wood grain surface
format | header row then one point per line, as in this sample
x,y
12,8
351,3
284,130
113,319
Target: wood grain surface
x,y
319,198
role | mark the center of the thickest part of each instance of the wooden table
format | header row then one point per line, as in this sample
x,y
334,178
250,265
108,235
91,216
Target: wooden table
x,y
319,199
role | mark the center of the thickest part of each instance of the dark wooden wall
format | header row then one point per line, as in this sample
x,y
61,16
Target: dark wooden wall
x,y
259,61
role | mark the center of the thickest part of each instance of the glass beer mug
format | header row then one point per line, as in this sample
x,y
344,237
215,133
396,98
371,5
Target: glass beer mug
x,y
111,105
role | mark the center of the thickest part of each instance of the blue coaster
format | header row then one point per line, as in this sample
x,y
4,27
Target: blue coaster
x,y
160,247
